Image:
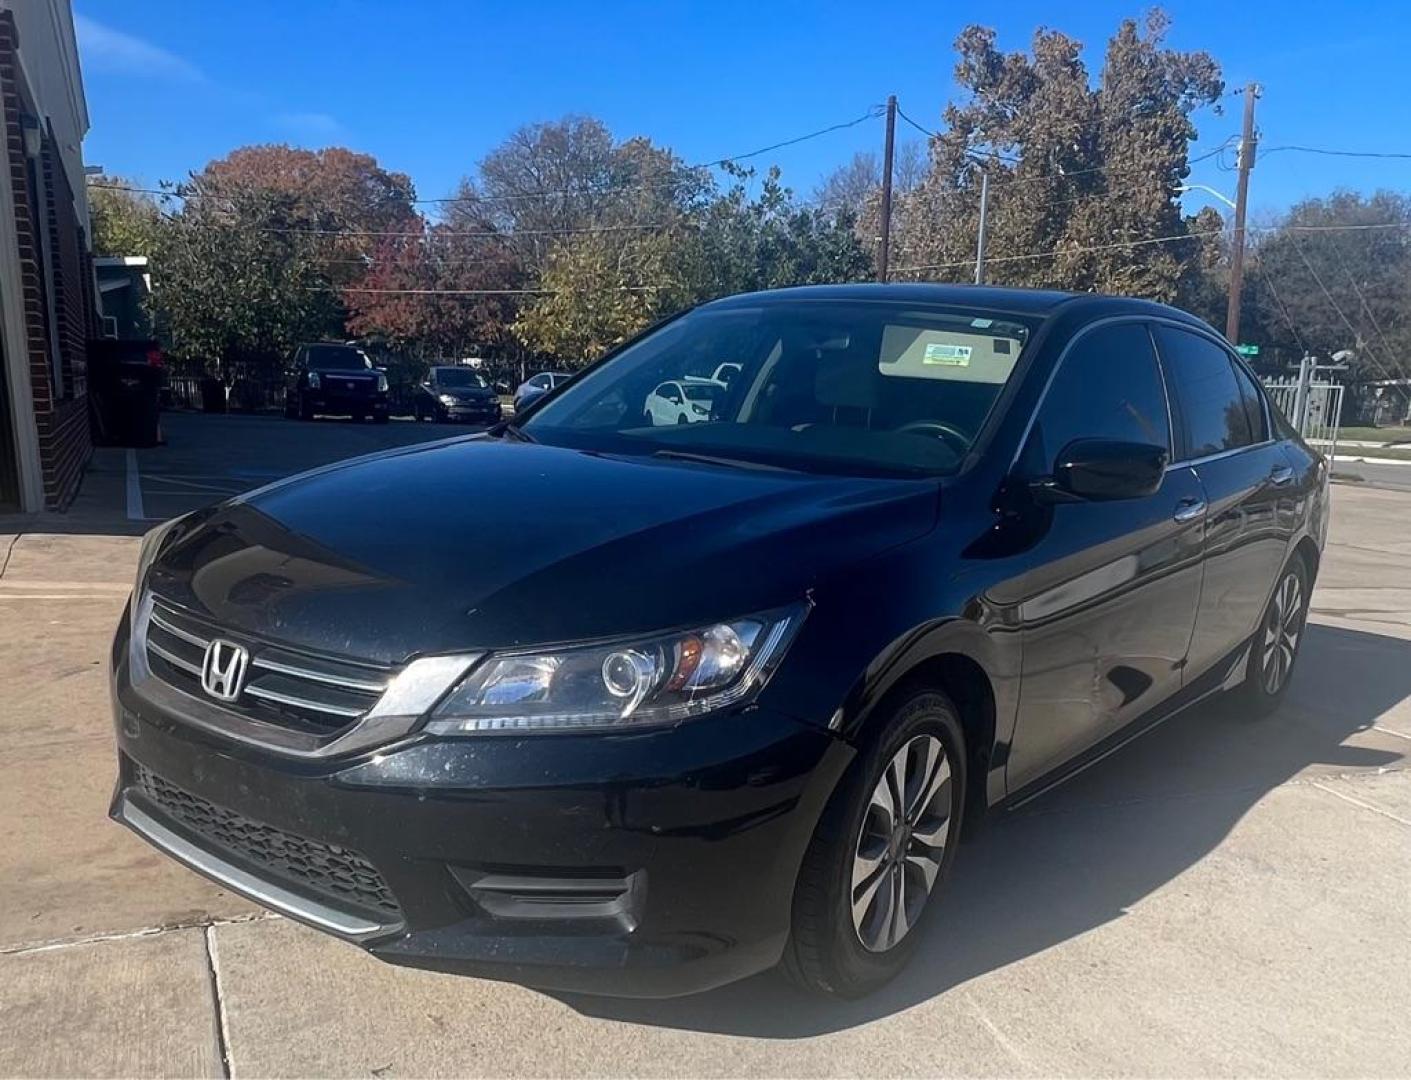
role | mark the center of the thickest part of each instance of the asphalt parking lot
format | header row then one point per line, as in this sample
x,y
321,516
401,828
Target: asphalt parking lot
x,y
1227,896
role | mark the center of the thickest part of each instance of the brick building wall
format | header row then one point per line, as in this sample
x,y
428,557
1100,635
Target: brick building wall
x,y
43,213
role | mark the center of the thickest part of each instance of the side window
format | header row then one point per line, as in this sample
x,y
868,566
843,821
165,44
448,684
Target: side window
x,y
1205,392
1108,387
1253,405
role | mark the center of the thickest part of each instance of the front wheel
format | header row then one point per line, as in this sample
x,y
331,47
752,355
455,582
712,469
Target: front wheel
x,y
881,851
1276,643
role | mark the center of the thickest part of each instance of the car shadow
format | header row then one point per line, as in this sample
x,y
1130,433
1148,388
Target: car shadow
x,y
1078,857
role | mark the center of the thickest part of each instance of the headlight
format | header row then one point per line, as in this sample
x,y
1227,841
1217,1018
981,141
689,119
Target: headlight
x,y
653,680
313,380
447,399
382,382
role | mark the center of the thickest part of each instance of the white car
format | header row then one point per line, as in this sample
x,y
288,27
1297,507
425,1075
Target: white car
x,y
682,401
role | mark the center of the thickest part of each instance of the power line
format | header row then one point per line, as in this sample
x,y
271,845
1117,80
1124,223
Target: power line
x,y
1356,336
1336,153
1066,251
501,234
1279,303
470,292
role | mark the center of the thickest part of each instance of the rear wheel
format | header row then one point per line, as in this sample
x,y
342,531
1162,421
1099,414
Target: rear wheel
x,y
1275,646
881,851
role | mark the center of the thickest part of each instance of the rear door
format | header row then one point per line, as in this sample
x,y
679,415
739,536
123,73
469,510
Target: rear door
x,y
1107,608
1224,433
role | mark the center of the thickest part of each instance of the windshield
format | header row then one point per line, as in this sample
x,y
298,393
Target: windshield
x,y
848,387
459,378
336,358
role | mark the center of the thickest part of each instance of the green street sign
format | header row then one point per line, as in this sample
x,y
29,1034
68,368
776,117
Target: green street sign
x,y
1247,350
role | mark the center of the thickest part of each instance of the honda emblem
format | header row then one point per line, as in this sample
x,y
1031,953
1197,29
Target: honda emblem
x,y
223,669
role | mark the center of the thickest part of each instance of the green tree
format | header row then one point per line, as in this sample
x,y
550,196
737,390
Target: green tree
x,y
124,221
254,261
1335,275
600,288
239,285
597,292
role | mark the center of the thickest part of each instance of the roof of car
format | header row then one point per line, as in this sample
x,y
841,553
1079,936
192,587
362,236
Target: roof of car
x,y
1036,302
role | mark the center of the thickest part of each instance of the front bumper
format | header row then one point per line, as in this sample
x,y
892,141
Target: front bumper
x,y
648,864
340,404
473,411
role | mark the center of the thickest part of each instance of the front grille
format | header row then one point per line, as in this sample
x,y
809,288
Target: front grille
x,y
331,872
314,695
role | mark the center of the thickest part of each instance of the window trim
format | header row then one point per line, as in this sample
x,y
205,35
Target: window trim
x,y
1098,324
1233,358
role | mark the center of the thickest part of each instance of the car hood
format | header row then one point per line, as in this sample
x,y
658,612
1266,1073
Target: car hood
x,y
483,543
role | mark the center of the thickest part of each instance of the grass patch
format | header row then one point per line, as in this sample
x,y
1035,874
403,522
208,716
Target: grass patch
x,y
1393,453
1376,434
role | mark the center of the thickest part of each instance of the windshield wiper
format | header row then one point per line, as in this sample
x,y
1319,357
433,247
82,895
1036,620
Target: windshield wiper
x,y
514,431
712,459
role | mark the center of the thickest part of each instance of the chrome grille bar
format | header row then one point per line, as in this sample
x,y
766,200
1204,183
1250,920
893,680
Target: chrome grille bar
x,y
176,631
257,691
172,659
365,685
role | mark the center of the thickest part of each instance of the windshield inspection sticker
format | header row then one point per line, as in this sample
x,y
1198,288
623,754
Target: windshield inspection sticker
x,y
951,355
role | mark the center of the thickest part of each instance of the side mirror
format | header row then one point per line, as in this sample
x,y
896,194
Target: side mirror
x,y
1101,470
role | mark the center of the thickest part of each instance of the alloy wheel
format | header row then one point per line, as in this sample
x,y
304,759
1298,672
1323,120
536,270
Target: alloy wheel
x,y
1282,630
901,843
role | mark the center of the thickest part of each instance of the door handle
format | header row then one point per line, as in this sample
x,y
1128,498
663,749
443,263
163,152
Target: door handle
x,y
1281,474
1188,510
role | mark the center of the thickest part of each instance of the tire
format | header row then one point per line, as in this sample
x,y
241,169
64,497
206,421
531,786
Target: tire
x,y
829,951
419,412
291,408
380,418
306,411
1274,650
682,420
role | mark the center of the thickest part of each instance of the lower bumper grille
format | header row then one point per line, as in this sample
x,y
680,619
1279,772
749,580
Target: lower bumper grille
x,y
326,870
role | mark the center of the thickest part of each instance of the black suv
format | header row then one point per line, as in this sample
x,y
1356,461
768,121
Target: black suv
x,y
597,705
334,380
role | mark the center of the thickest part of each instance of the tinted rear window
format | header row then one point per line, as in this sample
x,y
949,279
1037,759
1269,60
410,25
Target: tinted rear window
x,y
1205,392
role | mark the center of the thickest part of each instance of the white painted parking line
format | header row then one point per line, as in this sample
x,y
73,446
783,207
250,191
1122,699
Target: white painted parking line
x,y
135,511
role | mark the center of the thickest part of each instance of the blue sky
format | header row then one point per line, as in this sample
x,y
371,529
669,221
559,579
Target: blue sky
x,y
429,86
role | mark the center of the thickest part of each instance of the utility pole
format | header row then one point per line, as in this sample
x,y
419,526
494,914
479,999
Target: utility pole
x,y
980,241
1232,313
884,249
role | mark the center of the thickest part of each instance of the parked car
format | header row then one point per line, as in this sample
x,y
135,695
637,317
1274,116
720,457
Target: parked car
x,y
327,379
532,389
625,709
456,393
682,401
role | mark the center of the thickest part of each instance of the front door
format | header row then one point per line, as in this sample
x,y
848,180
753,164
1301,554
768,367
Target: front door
x,y
1107,609
1224,431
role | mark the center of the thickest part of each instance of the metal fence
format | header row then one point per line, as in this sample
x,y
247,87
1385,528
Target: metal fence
x,y
1314,408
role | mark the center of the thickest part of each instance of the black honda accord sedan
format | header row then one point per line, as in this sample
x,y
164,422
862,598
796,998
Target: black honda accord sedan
x,y
597,705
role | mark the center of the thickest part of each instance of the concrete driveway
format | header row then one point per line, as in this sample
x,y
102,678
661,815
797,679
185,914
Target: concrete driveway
x,y
1225,897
